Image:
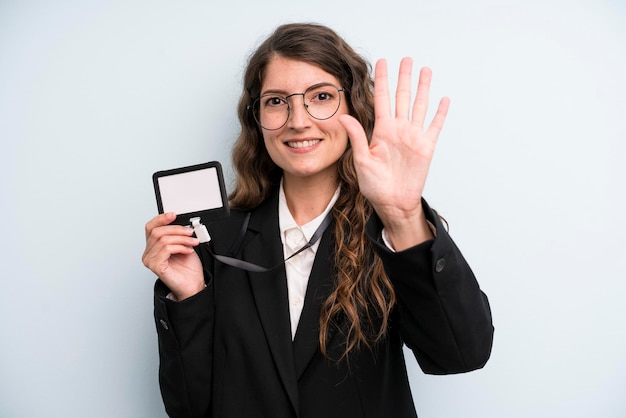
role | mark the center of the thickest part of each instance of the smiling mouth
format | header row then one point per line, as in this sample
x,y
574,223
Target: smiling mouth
x,y
303,144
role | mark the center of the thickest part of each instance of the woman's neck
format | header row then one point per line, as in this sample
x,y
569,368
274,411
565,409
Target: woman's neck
x,y
308,197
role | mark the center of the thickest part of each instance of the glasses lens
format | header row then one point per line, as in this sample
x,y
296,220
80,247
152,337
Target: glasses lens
x,y
322,101
271,111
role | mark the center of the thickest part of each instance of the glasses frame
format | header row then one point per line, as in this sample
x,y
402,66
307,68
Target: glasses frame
x,y
255,111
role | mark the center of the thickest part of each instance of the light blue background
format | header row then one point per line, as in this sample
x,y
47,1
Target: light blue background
x,y
97,95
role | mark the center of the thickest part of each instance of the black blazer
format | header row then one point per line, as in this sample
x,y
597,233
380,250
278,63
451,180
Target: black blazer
x,y
227,351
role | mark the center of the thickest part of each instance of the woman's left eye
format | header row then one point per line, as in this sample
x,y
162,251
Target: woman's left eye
x,y
322,96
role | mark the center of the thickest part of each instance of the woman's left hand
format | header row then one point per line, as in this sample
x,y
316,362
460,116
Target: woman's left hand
x,y
393,167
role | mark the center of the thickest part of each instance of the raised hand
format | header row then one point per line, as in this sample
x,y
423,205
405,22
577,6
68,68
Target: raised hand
x,y
392,168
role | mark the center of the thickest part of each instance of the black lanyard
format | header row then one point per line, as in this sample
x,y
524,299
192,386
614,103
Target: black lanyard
x,y
245,265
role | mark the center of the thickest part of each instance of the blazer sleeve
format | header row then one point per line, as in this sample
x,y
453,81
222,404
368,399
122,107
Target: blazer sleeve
x,y
443,316
185,331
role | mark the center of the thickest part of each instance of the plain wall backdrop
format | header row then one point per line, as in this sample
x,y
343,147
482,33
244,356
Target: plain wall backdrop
x,y
529,171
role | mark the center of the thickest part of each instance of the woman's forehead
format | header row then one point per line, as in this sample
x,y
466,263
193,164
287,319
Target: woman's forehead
x,y
288,75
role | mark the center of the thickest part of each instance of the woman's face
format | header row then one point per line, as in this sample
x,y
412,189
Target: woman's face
x,y
304,146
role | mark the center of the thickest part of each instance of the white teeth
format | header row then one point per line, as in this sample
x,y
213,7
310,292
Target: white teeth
x,y
302,144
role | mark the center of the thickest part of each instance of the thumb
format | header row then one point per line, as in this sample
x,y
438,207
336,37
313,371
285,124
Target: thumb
x,y
356,135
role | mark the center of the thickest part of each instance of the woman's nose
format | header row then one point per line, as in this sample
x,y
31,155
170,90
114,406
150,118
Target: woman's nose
x,y
298,116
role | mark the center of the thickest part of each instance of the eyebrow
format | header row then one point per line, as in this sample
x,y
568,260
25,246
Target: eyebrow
x,y
286,93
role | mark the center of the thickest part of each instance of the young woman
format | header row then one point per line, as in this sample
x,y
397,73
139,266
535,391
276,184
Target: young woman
x,y
321,157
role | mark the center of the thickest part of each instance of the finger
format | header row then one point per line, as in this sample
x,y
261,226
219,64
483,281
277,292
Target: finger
x,y
356,135
420,106
169,233
178,240
159,220
381,91
162,249
162,253
160,232
437,123
403,91
158,261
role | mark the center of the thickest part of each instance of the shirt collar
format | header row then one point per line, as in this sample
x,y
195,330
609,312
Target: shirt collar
x,y
286,221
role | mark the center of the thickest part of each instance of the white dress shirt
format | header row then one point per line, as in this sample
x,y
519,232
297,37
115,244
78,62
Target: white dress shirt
x,y
298,268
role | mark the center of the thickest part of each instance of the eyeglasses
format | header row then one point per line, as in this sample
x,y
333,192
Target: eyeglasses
x,y
321,101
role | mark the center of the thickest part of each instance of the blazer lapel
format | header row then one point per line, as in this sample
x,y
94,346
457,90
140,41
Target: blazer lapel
x,y
270,291
306,342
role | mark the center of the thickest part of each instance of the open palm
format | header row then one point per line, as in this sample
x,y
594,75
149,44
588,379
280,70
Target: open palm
x,y
392,168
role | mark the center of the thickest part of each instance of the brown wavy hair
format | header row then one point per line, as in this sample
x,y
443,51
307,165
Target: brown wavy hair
x,y
361,301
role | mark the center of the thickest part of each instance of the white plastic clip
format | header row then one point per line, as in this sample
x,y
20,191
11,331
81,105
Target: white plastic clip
x,y
200,230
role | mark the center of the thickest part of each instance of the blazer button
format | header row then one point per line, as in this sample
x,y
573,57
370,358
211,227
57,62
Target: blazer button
x,y
440,264
164,324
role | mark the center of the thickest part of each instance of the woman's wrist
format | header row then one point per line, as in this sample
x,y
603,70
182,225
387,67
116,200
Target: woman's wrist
x,y
186,293
406,230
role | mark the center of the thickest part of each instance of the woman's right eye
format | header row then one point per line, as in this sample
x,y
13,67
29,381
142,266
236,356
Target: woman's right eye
x,y
274,101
